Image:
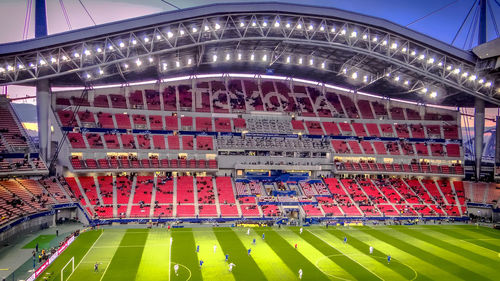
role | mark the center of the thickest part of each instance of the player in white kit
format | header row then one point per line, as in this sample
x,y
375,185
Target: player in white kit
x,y
301,229
176,269
215,248
231,265
371,250
300,273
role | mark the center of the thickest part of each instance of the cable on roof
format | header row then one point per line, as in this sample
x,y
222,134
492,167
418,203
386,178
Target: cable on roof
x,y
87,11
170,4
495,26
463,23
431,13
65,13
27,19
474,25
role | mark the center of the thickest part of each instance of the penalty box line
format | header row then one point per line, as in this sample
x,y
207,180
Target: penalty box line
x,y
86,255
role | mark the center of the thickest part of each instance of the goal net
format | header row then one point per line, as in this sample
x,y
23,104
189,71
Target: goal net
x,y
72,261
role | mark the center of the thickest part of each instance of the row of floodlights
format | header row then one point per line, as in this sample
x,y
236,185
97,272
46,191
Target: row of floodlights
x,y
359,75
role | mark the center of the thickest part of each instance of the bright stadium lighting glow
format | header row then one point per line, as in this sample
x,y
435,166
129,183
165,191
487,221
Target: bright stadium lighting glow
x,y
177,64
190,61
228,57
214,58
99,50
33,66
413,53
397,78
300,60
354,34
264,24
433,94
206,28
287,25
465,74
430,61
440,63
456,70
299,26
343,32
254,24
2,70
472,77
64,58
242,24
407,82
10,68
217,26
344,70
404,50
170,34
365,36
311,62
277,24
424,90
53,60
150,59
146,39
264,58
394,45
375,39
421,57
323,64
87,52
311,27
488,84
101,71
89,76
449,67
121,44
181,32
288,59
481,81
384,43
194,29
322,28
134,42
125,66
110,47
164,65
76,55
365,78
20,66
138,62
354,76
332,30
252,57
239,56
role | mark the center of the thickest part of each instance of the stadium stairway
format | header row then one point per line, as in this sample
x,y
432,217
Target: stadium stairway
x,y
174,198
131,197
216,194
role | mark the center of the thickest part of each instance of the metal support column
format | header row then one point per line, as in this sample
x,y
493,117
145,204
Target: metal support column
x,y
43,107
40,19
479,133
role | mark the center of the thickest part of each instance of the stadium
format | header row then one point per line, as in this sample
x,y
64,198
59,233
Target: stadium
x,y
251,141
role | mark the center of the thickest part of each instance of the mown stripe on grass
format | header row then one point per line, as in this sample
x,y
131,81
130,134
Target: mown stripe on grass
x,y
268,261
127,258
183,253
78,249
446,265
214,266
399,268
292,258
315,256
246,268
466,236
155,258
473,257
421,266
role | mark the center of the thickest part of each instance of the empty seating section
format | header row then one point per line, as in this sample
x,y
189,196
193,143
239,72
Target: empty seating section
x,y
312,210
225,190
90,189
143,190
118,101
123,189
205,190
185,192
365,109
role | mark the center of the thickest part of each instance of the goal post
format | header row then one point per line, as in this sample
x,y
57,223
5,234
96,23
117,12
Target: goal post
x,y
72,261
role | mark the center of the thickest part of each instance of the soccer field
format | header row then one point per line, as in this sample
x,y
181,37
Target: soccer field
x,y
433,252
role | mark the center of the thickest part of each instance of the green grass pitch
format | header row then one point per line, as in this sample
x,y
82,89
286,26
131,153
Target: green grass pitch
x,y
423,252
42,240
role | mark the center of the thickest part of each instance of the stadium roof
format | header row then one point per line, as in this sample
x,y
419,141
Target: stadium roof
x,y
359,52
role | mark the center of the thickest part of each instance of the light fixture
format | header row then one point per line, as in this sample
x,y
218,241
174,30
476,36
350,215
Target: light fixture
x,y
87,52
332,30
121,44
311,27
404,50
252,57
125,66
354,34
89,76
170,34
242,24
217,26
322,28
228,57
311,62
150,59
99,50
394,45
449,67
407,82
264,57
413,53
194,29
264,24
488,84
134,42
138,62
424,90
181,32
64,58
20,66
110,47
53,60
190,61
287,25
288,59
365,78
300,60
465,74
165,66
299,26
146,39
365,36
277,24
239,56
472,77
177,64
396,78
76,55
430,61
101,71
456,70
343,32
421,57
433,94
214,58
206,28
375,39
481,81
323,64
254,24
384,43
354,75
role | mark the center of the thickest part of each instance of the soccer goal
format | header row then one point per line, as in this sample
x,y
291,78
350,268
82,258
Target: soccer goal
x,y
72,261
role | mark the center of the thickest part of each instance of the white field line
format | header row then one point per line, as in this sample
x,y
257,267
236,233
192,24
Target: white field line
x,y
347,256
86,254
